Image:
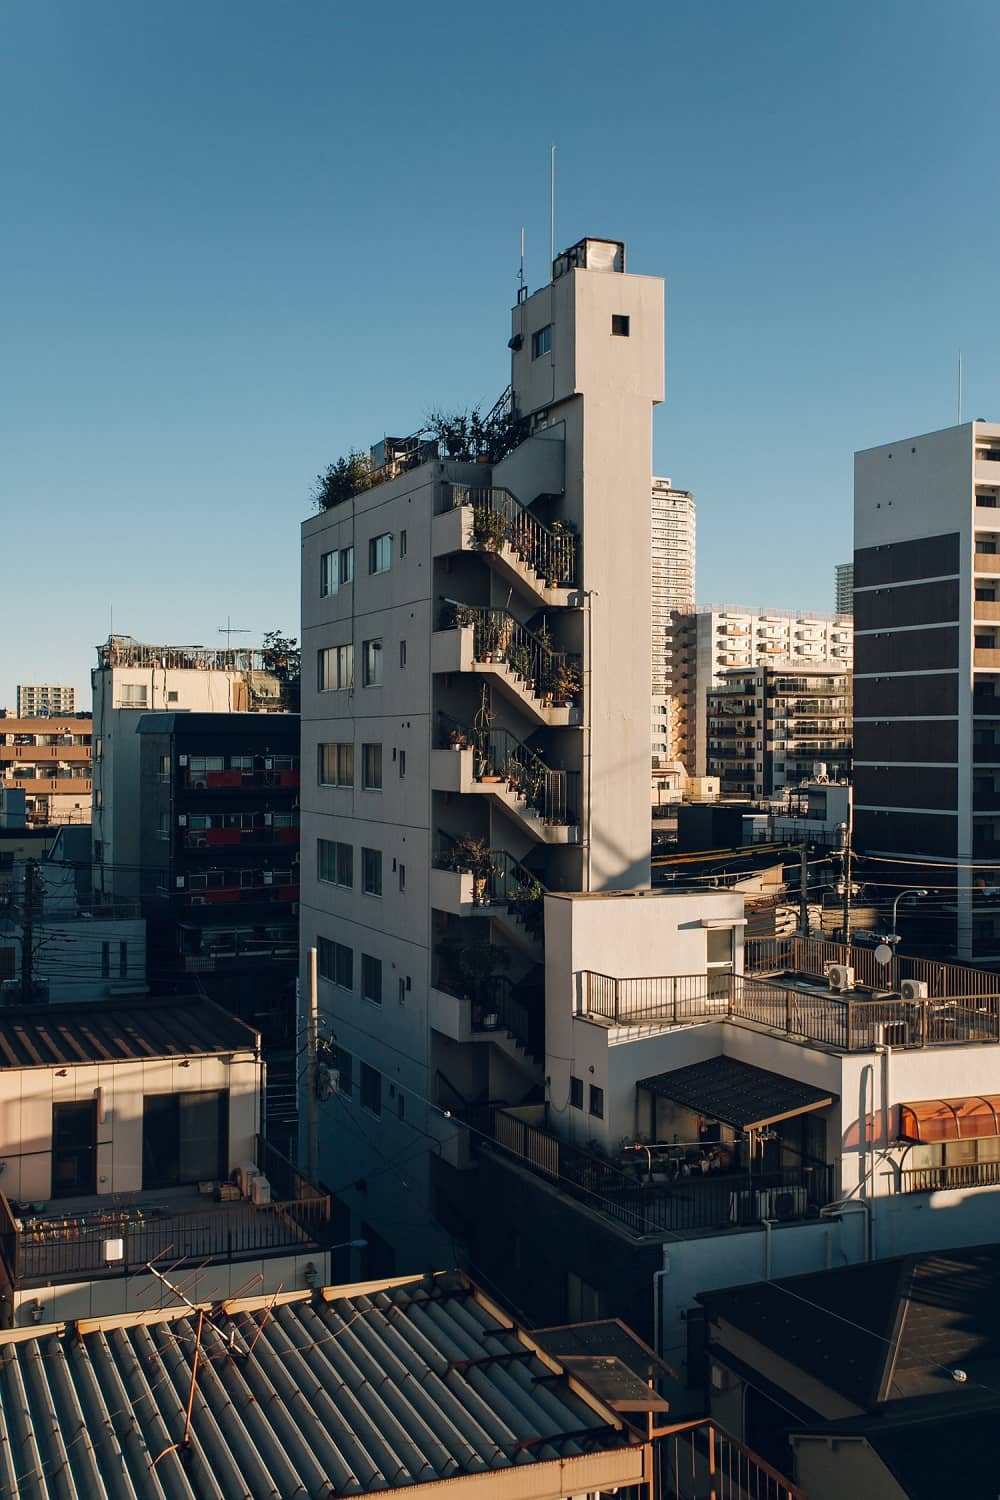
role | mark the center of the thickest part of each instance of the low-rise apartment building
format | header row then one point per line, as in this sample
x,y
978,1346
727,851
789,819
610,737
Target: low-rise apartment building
x,y
771,727
49,759
122,1127
720,1109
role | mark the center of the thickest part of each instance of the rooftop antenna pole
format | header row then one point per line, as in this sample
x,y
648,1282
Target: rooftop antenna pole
x,y
229,630
520,274
959,387
552,204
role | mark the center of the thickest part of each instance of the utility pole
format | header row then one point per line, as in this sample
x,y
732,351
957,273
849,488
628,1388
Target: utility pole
x,y
28,933
845,867
312,1046
804,890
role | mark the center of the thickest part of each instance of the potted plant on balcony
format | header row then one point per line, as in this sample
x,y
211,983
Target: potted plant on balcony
x,y
526,905
519,661
466,969
472,856
489,529
458,739
566,683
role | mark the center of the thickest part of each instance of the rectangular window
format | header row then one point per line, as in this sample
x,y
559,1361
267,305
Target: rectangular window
x,y
402,763
402,542
184,1137
380,553
163,826
576,1092
371,872
342,1063
596,1102
346,565
371,979
371,671
402,878
371,768
541,341
986,548
329,573
402,653
371,1089
132,695
335,863
336,764
335,962
335,668
620,325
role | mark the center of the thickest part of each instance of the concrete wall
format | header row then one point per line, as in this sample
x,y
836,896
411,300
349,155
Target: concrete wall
x,y
828,1469
27,1096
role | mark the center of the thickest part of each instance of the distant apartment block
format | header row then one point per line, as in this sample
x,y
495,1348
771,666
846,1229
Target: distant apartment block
x,y
719,637
132,678
672,551
37,701
927,696
49,759
777,726
844,588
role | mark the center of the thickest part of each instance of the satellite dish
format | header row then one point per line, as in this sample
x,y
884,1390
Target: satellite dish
x,y
883,954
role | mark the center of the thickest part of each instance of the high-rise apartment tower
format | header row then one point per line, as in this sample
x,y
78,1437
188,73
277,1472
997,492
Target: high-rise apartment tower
x,y
843,590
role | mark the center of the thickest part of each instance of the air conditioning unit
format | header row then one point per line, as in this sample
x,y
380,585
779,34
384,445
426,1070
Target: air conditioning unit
x,y
913,989
840,977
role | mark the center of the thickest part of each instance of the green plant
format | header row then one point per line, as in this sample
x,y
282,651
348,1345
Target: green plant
x,y
489,528
345,477
519,660
566,682
471,855
527,906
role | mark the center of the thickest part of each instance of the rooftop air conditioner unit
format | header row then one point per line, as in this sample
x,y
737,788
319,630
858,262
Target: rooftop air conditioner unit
x,y
840,977
913,989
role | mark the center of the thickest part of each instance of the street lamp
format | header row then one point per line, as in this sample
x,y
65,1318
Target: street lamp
x,y
910,891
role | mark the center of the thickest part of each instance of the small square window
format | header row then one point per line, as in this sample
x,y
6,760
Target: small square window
x,y
541,341
576,1092
596,1102
620,325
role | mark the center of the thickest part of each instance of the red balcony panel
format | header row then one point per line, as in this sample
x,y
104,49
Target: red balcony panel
x,y
288,778
222,835
223,897
288,893
287,835
224,778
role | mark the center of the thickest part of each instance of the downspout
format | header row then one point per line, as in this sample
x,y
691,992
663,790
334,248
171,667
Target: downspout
x,y
767,1223
836,1209
658,1302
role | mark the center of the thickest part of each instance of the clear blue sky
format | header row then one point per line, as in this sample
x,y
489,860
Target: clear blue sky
x,y
240,237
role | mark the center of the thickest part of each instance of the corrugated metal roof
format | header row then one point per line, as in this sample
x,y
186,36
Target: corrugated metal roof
x,y
738,1093
62,1035
354,1391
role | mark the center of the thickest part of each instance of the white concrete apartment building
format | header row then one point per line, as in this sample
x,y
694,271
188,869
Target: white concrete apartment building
x,y
130,679
773,727
37,699
927,696
723,636
843,588
475,730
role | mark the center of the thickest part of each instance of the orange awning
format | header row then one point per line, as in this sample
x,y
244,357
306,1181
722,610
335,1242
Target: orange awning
x,y
931,1120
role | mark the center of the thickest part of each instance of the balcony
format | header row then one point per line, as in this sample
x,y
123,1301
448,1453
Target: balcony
x,y
495,1014
494,763
986,609
234,781
544,683
73,1239
643,1204
849,1025
986,657
519,547
216,838
470,879
986,562
938,1179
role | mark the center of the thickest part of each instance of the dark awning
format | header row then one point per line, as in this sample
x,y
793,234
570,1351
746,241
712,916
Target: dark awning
x,y
931,1120
736,1093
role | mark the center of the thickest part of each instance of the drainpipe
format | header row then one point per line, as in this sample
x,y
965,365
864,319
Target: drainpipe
x,y
767,1223
658,1303
836,1209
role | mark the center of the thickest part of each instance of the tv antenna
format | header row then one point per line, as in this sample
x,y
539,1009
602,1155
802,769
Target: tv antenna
x,y
522,287
229,630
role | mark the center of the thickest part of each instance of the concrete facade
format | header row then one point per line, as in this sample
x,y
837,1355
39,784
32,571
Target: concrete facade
x,y
927,702
427,740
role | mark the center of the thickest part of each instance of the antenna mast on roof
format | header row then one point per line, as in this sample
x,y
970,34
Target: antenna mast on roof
x,y
229,630
552,206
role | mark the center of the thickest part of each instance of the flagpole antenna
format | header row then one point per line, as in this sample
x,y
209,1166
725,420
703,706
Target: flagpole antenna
x,y
552,204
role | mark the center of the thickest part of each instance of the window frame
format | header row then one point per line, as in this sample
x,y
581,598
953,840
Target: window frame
x,y
380,553
371,866
371,662
370,1090
341,679
371,982
541,341
340,970
343,759
595,1102
339,860
371,773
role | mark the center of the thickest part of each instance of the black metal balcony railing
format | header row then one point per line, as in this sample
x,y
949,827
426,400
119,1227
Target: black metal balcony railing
x,y
722,1201
60,1248
498,754
498,636
497,1006
499,518
835,1021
